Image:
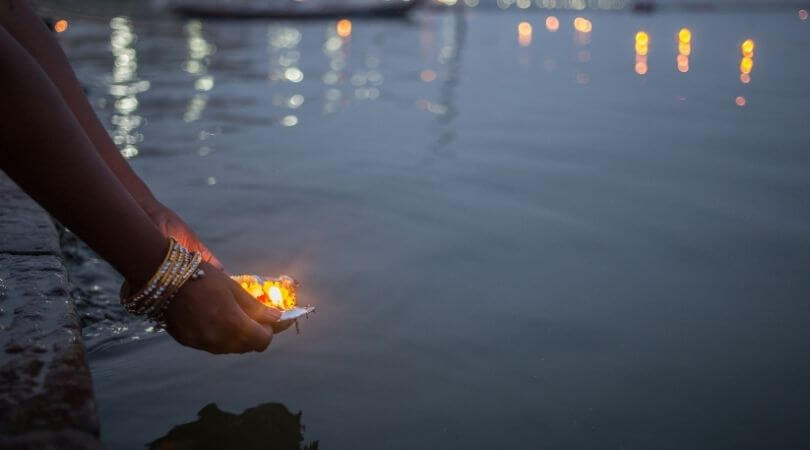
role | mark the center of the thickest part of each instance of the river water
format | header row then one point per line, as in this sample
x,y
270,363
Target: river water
x,y
554,239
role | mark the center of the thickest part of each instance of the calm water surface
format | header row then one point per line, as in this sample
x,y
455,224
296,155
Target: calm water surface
x,y
511,242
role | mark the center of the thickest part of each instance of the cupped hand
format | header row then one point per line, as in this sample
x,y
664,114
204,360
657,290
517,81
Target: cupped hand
x,y
215,314
171,225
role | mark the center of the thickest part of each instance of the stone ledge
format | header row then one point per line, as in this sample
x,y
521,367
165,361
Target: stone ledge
x,y
24,227
46,395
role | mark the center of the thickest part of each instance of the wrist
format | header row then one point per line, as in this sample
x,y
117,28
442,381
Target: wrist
x,y
145,261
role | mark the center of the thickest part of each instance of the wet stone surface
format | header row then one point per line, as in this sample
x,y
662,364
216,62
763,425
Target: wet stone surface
x,y
46,396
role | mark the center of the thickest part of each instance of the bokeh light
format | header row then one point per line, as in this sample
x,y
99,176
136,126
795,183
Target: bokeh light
x,y
684,49
740,101
746,65
747,61
685,35
642,43
802,14
427,75
552,23
525,29
747,47
642,49
344,28
583,25
525,34
60,26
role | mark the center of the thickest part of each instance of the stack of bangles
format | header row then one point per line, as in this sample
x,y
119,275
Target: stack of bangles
x,y
153,300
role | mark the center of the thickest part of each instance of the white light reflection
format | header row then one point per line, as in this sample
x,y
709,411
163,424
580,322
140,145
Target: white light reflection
x,y
282,46
124,86
199,52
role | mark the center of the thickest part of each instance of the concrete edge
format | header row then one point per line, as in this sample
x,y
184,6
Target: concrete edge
x,y
46,391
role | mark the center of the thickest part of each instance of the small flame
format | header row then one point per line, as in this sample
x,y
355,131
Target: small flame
x,y
275,294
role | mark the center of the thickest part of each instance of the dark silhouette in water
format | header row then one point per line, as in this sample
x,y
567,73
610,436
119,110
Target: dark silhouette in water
x,y
270,426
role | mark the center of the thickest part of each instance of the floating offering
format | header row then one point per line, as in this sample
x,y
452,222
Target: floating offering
x,y
278,293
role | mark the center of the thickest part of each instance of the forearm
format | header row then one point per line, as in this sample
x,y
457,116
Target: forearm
x,y
44,149
24,25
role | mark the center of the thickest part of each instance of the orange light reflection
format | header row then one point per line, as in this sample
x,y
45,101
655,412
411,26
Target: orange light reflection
x,y
583,25
60,26
552,24
524,34
684,49
344,28
427,75
642,49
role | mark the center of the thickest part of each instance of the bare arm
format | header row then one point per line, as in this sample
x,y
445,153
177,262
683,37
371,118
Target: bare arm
x,y
29,31
45,150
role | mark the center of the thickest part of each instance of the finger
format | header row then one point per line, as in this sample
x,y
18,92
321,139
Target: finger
x,y
252,307
254,336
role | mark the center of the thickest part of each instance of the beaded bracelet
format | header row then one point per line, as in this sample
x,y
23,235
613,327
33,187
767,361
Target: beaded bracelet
x,y
152,301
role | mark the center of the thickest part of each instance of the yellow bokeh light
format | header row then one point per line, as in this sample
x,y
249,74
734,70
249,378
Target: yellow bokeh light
x,y
684,49
583,25
524,29
60,26
746,65
642,38
552,23
747,47
685,35
344,28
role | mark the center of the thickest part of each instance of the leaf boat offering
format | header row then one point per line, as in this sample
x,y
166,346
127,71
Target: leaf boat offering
x,y
278,293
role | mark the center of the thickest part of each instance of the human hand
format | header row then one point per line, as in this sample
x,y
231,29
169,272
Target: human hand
x,y
171,225
215,314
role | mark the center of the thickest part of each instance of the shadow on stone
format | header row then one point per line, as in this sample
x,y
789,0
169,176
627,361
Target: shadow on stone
x,y
267,426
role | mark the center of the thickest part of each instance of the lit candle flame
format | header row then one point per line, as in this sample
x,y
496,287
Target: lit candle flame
x,y
276,292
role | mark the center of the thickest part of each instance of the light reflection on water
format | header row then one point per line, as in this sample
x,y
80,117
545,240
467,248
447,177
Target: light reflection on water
x,y
547,239
124,87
